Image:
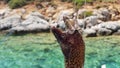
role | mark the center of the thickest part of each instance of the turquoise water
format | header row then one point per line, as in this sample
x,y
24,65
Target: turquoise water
x,y
43,51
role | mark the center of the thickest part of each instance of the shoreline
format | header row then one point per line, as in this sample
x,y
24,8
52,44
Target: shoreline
x,y
20,20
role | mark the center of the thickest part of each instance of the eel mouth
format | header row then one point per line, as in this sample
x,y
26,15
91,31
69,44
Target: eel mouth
x,y
57,33
61,35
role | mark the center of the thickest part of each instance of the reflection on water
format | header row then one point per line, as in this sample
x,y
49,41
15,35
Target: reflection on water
x,y
43,51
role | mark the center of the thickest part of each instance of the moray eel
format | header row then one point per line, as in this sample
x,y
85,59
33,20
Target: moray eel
x,y
72,46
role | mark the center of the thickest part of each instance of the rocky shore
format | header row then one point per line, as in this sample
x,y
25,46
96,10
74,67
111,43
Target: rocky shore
x,y
94,21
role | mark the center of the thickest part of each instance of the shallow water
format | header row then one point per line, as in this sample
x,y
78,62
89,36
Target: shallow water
x,y
43,51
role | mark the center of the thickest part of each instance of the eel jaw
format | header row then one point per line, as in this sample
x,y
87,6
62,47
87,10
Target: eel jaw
x,y
61,38
58,34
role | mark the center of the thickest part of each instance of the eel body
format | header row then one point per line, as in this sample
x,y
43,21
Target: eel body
x,y
72,46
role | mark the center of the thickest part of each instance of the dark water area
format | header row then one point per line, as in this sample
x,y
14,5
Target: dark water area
x,y
43,51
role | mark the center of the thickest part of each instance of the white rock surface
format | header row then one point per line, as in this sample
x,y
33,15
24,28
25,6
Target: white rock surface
x,y
33,23
10,22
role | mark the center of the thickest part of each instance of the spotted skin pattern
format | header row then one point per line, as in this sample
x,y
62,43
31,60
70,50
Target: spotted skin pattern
x,y
72,46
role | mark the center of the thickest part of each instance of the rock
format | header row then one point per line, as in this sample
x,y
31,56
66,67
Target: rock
x,y
96,28
54,24
1,16
50,9
36,14
32,24
117,33
23,10
103,14
10,22
98,14
90,33
81,13
81,23
108,28
50,12
104,32
91,21
18,28
39,6
61,25
54,17
111,25
60,21
64,13
5,12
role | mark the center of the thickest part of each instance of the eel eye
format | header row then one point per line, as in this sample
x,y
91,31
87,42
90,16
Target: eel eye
x,y
63,36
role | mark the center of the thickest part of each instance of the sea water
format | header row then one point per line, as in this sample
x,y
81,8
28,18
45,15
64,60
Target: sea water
x,y
43,51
